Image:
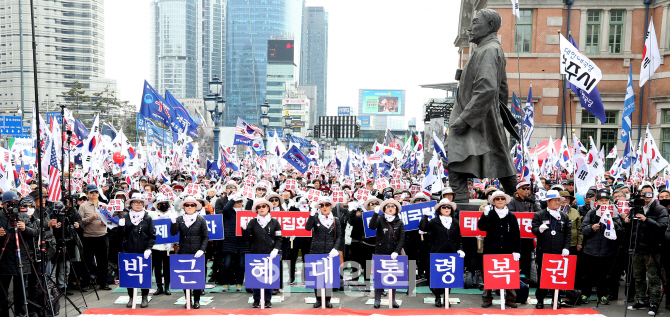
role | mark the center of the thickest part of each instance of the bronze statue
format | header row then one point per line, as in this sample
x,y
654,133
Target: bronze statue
x,y
477,145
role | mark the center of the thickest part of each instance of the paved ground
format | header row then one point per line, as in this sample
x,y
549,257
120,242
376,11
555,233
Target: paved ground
x,y
297,300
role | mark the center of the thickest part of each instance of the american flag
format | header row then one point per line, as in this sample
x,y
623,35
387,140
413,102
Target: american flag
x,y
478,184
54,177
248,130
107,165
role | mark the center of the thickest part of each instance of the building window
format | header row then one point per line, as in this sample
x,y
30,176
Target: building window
x,y
611,117
584,135
524,32
608,139
593,31
666,116
665,144
588,118
616,31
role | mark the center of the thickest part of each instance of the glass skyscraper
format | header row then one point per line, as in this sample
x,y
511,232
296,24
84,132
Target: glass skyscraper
x,y
249,26
314,54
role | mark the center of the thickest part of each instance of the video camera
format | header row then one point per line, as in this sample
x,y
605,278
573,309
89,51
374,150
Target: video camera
x,y
12,211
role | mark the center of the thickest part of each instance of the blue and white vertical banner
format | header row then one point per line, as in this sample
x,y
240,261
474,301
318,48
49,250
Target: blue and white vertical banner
x,y
187,271
163,236
446,270
134,271
261,272
214,226
322,271
389,273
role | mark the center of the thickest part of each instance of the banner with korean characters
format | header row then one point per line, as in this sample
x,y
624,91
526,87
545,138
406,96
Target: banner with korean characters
x,y
187,271
501,272
410,215
389,273
558,272
446,270
322,271
469,221
261,272
134,271
292,222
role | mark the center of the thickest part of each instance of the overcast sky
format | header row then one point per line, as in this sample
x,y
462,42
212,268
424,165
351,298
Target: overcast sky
x,y
373,44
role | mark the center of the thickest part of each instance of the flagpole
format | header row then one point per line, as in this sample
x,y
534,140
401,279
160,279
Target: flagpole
x,y
565,86
522,124
649,81
646,25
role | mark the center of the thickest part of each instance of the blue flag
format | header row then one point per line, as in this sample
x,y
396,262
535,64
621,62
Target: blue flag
x,y
627,158
591,102
529,120
298,159
153,106
141,124
628,108
181,118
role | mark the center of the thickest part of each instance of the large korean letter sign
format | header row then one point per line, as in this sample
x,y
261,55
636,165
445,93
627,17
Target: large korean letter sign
x,y
187,271
163,236
292,222
469,220
558,272
134,271
446,270
214,226
501,272
389,273
410,216
261,271
322,271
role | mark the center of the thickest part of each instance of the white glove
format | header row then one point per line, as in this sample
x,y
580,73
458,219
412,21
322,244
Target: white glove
x,y
238,197
486,210
394,255
422,232
565,252
313,212
199,254
516,256
147,254
352,205
122,222
543,227
461,253
427,212
377,209
173,219
333,253
273,254
244,226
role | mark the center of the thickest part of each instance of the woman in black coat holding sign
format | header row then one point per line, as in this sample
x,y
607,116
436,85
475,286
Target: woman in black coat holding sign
x,y
193,235
445,235
326,237
139,236
388,242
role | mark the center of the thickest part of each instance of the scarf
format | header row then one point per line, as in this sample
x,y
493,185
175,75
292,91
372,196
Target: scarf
x,y
163,215
201,212
389,218
189,219
136,217
263,221
326,220
502,213
446,221
555,213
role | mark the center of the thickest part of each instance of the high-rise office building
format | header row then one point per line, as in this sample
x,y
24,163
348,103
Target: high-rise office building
x,y
249,26
187,45
314,54
70,46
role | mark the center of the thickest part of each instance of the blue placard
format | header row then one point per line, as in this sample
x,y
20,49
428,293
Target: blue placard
x,y
410,216
134,271
389,273
163,235
214,226
187,271
56,116
141,124
446,270
261,272
322,271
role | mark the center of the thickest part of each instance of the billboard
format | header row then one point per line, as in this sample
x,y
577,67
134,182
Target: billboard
x,y
382,102
343,111
365,121
281,51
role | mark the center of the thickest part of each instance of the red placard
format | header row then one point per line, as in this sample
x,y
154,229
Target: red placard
x,y
396,183
362,194
469,224
313,195
192,189
164,189
115,205
501,272
558,272
397,174
338,196
250,181
414,189
381,183
291,184
292,222
248,191
623,207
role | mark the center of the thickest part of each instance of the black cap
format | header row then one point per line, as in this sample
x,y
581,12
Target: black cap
x,y
590,193
603,193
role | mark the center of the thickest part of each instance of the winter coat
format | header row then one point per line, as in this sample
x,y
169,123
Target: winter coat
x,y
263,240
650,233
546,242
8,260
385,241
341,212
155,214
324,239
595,243
191,239
137,239
528,204
442,240
358,230
231,242
507,229
576,236
482,149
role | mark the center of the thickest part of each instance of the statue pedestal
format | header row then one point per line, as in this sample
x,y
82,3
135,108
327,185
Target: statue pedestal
x,y
473,205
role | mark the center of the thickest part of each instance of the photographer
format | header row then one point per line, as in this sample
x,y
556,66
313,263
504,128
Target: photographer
x,y
9,261
68,231
648,225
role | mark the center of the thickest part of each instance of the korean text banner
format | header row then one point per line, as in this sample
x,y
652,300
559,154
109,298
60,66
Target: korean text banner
x,y
261,272
134,271
384,102
292,222
214,226
187,271
322,271
389,273
446,270
558,272
163,235
469,219
410,215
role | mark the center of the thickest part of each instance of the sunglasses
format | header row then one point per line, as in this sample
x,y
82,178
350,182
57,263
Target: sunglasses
x,y
499,198
388,206
274,200
83,198
324,205
525,188
231,187
94,192
263,206
139,203
374,204
445,207
421,200
261,189
190,205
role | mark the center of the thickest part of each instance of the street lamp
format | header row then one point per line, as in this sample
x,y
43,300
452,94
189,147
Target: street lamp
x,y
212,101
288,121
265,119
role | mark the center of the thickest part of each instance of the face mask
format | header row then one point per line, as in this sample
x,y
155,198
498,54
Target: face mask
x,y
627,196
664,202
163,207
31,211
